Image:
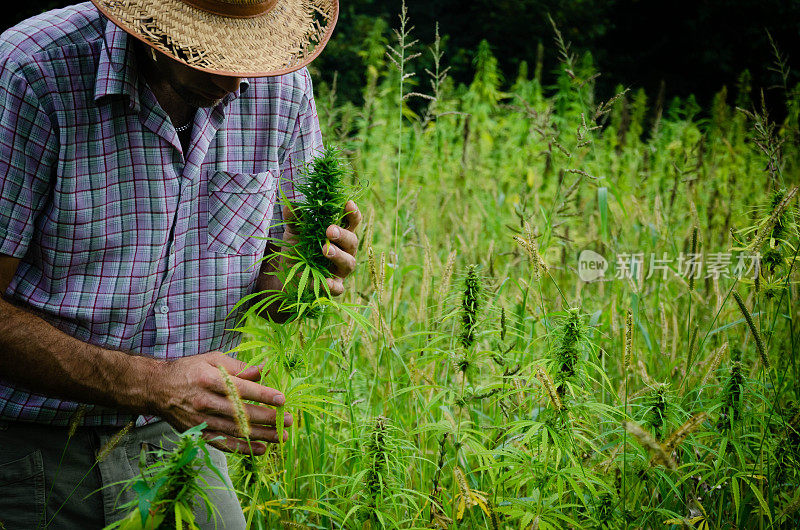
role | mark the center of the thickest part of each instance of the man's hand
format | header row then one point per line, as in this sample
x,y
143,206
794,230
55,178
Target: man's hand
x,y
190,390
340,246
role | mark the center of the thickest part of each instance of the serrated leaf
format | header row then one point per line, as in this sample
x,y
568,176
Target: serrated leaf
x,y
301,285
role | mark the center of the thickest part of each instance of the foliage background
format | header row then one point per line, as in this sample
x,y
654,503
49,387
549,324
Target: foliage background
x,y
492,388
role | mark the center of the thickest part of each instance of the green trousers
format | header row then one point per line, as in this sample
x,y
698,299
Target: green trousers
x,y
36,491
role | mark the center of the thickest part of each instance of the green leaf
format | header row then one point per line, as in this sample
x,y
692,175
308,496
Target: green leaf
x,y
292,272
178,517
761,500
602,204
146,495
301,285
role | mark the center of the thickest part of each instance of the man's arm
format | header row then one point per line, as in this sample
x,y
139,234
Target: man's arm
x,y
185,392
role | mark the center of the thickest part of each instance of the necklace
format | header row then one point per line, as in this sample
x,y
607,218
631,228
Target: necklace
x,y
183,128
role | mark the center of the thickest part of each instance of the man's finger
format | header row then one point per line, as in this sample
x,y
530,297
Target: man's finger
x,y
248,389
288,214
229,444
251,373
342,238
335,286
233,366
229,427
343,262
221,406
252,391
352,216
266,415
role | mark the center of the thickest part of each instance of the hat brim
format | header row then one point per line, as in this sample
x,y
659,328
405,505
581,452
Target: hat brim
x,y
291,35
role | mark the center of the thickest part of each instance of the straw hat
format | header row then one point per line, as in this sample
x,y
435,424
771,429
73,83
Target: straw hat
x,y
241,38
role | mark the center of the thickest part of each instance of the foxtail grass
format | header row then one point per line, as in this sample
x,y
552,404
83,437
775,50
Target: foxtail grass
x,y
659,454
753,330
240,414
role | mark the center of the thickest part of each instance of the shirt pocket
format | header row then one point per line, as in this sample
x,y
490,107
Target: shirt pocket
x,y
240,211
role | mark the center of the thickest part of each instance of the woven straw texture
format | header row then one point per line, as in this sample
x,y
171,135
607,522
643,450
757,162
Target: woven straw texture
x,y
284,39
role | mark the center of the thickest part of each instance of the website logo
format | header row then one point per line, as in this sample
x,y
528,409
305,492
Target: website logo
x,y
591,266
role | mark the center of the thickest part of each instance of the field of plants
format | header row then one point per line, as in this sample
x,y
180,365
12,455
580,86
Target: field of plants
x,y
568,313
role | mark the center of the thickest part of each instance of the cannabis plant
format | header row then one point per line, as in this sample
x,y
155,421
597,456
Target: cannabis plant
x,y
570,347
322,194
167,489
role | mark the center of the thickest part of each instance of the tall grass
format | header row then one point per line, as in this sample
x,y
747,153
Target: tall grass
x,y
521,395
516,394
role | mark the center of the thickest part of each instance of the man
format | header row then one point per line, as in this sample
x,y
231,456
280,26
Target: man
x,y
141,147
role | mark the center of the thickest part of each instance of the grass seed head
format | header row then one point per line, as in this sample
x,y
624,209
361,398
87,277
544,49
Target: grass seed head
x,y
447,275
791,507
756,335
503,324
627,358
528,244
375,275
347,336
660,456
461,481
550,388
380,324
493,519
76,419
427,273
242,421
680,434
716,359
693,253
114,441
690,350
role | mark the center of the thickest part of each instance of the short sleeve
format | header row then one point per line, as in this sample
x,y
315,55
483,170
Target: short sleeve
x,y
28,150
304,144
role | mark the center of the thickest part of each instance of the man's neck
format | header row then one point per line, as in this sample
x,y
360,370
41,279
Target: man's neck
x,y
176,108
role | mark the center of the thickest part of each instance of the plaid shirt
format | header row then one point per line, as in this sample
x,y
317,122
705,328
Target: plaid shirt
x,y
125,242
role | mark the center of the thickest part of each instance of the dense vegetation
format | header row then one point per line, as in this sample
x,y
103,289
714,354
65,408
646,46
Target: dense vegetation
x,y
474,376
691,47
496,389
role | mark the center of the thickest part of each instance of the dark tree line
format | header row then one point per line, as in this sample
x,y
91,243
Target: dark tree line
x,y
691,46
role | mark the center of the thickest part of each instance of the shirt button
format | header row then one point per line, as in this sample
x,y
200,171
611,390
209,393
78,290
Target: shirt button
x,y
164,309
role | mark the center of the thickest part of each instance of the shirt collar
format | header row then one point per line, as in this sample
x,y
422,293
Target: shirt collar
x,y
116,68
243,86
